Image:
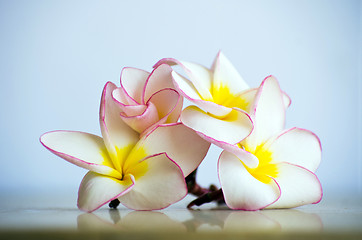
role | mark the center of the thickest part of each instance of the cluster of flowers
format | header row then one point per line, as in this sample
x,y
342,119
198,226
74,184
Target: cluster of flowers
x,y
151,144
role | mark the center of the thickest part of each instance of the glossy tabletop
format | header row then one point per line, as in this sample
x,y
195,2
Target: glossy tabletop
x,y
56,216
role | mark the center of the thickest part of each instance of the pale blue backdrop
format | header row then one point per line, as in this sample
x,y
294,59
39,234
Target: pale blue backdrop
x,y
55,57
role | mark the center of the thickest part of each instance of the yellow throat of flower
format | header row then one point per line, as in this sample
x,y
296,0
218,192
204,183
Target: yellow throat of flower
x,y
266,168
127,160
222,95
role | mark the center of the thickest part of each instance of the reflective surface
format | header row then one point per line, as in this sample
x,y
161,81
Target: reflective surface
x,y
35,214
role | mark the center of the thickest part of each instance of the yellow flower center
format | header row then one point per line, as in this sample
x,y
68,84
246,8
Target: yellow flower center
x,y
266,168
223,96
127,160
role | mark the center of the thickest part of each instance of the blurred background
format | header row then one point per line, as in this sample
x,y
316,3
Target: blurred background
x,y
56,56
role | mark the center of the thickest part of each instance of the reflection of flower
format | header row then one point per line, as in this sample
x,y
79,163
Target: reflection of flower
x,y
144,174
217,91
169,221
271,167
135,221
147,99
273,220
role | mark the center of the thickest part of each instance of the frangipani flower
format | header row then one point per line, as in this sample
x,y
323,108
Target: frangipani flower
x,y
147,99
144,174
219,114
271,167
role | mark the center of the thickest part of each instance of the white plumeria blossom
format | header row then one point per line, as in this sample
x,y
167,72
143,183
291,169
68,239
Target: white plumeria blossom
x,y
147,99
221,97
219,114
144,174
272,167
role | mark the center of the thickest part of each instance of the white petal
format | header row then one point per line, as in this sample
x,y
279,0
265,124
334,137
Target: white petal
x,y
268,112
133,81
231,129
82,149
297,146
248,159
122,97
160,184
97,190
166,102
129,108
180,143
225,75
143,121
199,76
118,137
298,185
249,96
241,190
160,78
185,87
169,105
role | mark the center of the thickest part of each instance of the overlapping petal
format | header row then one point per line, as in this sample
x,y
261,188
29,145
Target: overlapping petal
x,y
241,190
133,81
169,105
233,128
117,135
161,185
150,100
159,79
216,92
200,77
268,113
181,144
96,190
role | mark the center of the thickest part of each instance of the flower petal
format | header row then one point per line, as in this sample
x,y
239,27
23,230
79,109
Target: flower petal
x,y
82,149
121,96
268,111
225,75
297,146
141,122
249,96
232,129
169,105
129,109
166,101
160,186
250,160
298,185
118,137
241,190
180,143
96,190
199,76
185,87
160,78
133,81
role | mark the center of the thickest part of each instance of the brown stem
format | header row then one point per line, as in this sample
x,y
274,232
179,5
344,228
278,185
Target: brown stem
x,y
208,197
193,187
114,203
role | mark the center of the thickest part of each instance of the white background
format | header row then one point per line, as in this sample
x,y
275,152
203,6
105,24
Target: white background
x,y
55,57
